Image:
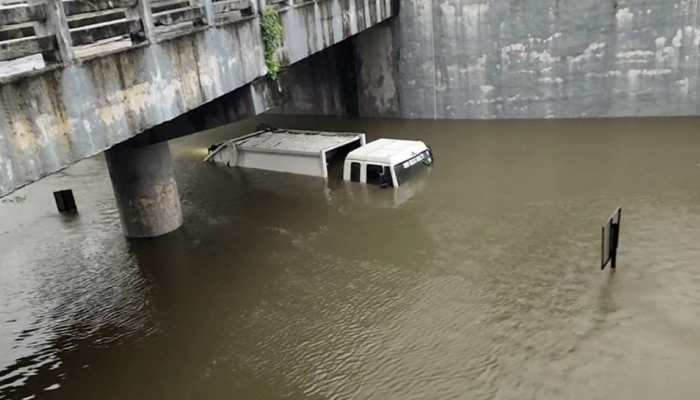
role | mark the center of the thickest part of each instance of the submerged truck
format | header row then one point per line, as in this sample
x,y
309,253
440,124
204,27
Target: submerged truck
x,y
385,162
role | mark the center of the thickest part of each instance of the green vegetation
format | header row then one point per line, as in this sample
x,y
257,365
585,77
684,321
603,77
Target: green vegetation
x,y
272,34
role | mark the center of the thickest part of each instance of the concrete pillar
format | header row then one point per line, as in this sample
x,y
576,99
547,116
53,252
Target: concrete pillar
x,y
144,186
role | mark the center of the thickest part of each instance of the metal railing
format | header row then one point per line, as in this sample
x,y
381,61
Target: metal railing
x,y
64,31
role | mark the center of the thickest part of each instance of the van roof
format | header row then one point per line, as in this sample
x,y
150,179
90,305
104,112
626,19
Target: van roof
x,y
387,151
295,141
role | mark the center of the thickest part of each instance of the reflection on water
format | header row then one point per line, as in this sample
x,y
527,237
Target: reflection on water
x,y
480,280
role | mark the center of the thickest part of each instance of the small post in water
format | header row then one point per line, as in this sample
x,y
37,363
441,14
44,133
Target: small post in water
x,y
610,239
613,251
65,202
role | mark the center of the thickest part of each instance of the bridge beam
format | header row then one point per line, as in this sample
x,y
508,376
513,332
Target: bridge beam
x,y
145,188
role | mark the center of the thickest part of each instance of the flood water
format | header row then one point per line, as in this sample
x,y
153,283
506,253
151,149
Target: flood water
x,y
480,280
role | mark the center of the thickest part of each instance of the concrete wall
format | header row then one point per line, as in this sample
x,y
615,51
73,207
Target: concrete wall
x,y
58,116
323,84
537,58
377,72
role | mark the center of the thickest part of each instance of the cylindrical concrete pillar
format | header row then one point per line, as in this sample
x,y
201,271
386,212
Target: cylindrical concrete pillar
x,y
144,186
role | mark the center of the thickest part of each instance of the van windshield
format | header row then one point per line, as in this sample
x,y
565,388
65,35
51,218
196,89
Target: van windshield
x,y
406,169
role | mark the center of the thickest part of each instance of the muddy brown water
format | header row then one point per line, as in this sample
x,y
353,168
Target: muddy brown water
x,y
480,280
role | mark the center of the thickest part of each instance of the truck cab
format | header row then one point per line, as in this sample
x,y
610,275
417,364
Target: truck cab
x,y
384,162
387,162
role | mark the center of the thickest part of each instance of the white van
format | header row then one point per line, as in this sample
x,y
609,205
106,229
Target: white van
x,y
386,162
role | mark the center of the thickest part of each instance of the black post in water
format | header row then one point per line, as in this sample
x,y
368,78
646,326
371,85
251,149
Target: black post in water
x,y
65,202
613,245
610,239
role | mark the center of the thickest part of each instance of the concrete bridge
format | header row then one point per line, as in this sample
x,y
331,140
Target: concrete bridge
x,y
124,76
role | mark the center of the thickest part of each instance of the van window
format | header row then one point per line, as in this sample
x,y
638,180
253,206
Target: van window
x,y
378,174
405,170
355,172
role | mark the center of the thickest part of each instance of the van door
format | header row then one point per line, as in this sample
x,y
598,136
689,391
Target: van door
x,y
379,175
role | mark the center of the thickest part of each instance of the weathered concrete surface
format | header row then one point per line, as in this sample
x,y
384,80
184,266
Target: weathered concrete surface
x,y
255,98
51,119
314,26
145,188
545,58
323,84
377,72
